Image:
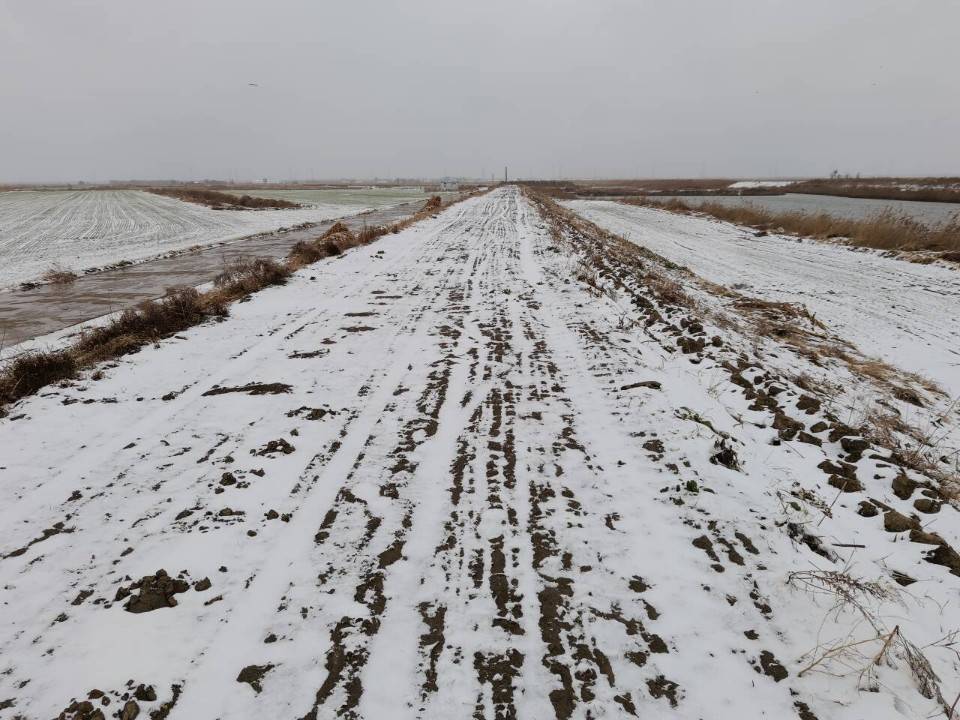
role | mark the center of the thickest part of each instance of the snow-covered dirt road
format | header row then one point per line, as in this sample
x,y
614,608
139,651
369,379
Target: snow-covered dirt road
x,y
902,313
438,477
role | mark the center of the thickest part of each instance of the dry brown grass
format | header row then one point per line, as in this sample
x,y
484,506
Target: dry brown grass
x,y
32,371
926,189
339,238
368,234
243,276
884,428
223,201
888,229
333,242
861,654
305,252
148,322
58,275
668,290
337,227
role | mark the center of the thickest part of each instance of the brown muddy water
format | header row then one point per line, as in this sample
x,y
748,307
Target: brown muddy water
x,y
28,314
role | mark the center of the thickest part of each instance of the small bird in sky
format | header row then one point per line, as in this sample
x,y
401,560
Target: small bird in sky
x,y
253,84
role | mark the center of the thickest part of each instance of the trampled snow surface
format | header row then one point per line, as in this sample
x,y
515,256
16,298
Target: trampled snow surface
x,y
88,228
903,313
463,486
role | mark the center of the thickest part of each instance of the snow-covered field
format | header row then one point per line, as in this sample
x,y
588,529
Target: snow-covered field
x,y
900,312
90,228
438,477
760,183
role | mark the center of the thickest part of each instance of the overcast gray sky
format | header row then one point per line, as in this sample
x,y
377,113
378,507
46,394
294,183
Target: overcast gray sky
x,y
101,89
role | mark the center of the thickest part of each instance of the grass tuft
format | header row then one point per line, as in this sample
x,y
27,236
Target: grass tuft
x,y
243,276
148,322
58,275
29,372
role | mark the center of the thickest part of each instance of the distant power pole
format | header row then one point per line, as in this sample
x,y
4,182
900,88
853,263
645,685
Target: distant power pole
x,y
504,173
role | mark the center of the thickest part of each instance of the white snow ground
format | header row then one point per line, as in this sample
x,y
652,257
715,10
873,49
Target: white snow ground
x,y
903,313
90,228
476,511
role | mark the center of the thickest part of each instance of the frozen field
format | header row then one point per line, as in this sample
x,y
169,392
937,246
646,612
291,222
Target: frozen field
x,y
903,313
91,228
440,477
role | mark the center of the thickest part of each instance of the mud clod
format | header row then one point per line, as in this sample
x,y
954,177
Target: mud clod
x,y
803,711
651,384
202,585
926,506
145,693
946,556
845,484
786,427
82,710
660,687
253,675
654,446
894,522
854,446
155,592
772,667
274,447
166,708
902,579
925,538
725,456
903,486
130,710
81,596
253,388
808,404
703,542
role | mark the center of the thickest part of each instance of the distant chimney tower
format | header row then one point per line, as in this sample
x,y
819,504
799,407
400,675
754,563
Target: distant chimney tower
x,y
504,173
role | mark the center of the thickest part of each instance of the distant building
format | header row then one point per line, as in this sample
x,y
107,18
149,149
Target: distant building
x,y
449,185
